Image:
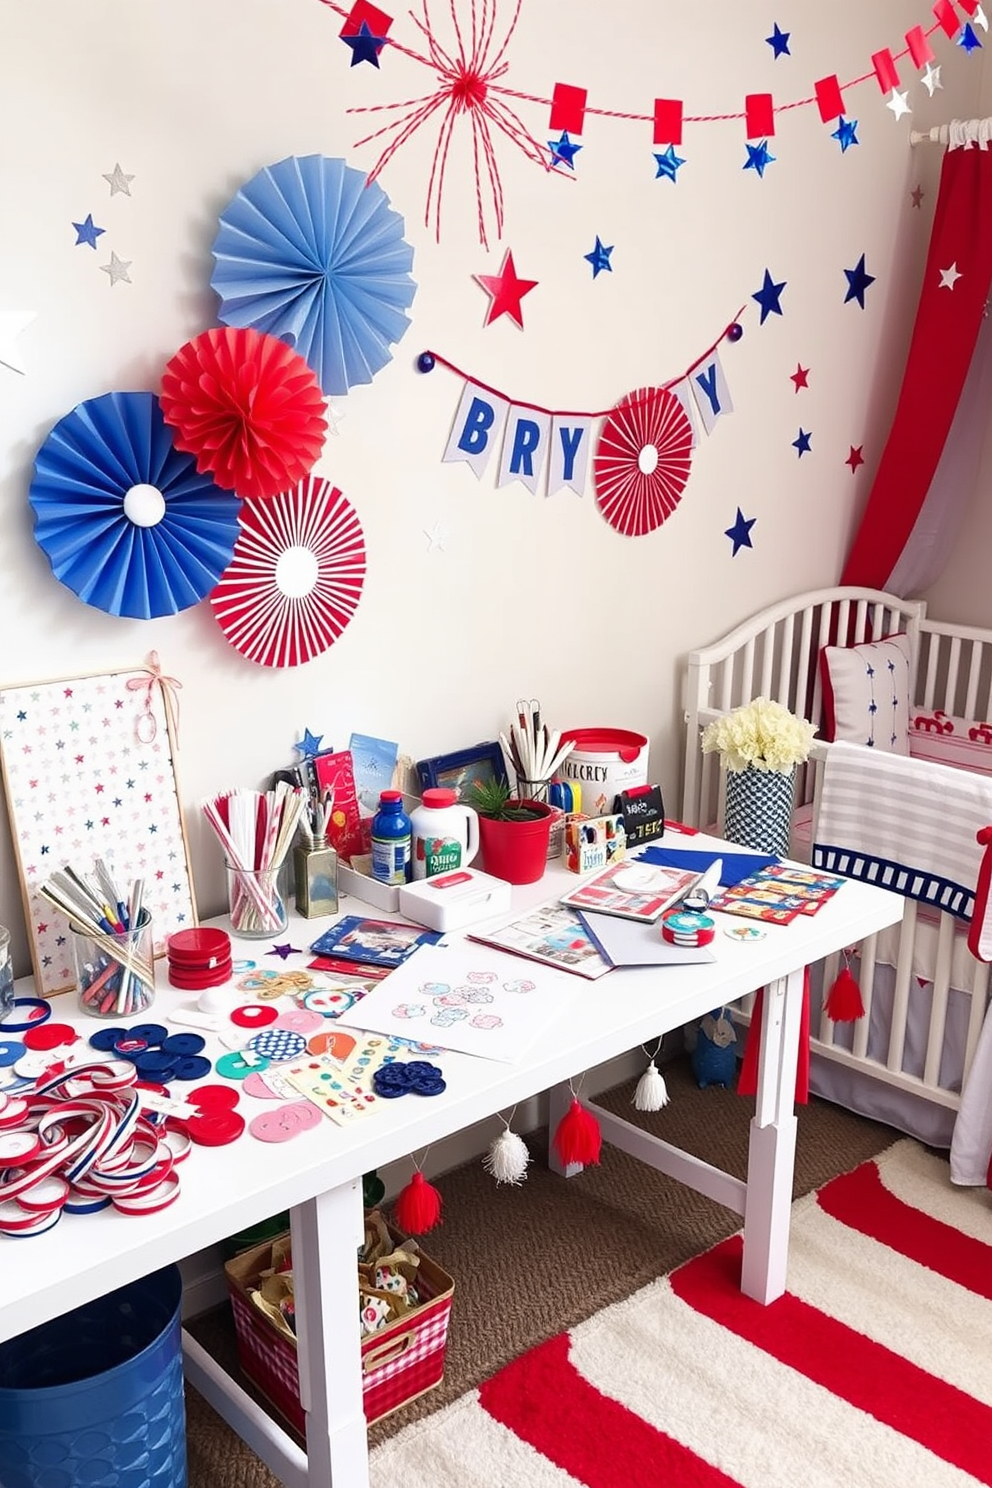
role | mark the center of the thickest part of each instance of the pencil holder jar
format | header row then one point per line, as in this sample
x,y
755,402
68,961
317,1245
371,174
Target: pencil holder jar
x,y
257,907
115,972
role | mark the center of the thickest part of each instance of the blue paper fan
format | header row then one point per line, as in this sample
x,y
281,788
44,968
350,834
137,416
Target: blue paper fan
x,y
308,252
126,520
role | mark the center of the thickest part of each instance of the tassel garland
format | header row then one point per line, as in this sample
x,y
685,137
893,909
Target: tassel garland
x,y
652,1092
418,1206
843,1004
507,1158
578,1138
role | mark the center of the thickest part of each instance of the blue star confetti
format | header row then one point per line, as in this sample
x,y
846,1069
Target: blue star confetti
x,y
87,232
779,42
600,258
758,158
668,164
845,134
768,297
802,444
564,150
740,533
284,950
858,280
364,46
309,745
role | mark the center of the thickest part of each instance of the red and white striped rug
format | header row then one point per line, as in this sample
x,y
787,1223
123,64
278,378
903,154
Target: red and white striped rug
x,y
874,1370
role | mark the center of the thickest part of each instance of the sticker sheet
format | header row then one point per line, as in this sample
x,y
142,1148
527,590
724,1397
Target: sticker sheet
x,y
89,771
470,998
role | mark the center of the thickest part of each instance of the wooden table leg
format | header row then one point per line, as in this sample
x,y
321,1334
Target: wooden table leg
x,y
327,1234
772,1143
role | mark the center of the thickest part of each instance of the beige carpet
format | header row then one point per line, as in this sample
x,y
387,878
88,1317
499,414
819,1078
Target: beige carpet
x,y
533,1260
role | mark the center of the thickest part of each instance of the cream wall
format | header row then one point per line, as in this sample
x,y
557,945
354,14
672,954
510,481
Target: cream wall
x,y
528,595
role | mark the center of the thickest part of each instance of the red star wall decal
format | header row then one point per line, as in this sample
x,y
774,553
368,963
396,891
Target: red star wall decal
x,y
917,194
505,291
855,458
800,377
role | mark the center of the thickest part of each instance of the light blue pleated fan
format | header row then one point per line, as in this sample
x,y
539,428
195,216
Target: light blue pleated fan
x,y
308,252
125,519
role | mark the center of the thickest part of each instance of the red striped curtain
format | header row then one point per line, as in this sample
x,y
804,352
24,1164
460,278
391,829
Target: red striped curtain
x,y
930,461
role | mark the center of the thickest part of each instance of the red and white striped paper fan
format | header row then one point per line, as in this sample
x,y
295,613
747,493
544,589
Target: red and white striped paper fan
x,y
642,461
296,576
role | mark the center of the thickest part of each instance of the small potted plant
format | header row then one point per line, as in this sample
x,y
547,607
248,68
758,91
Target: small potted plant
x,y
513,831
760,744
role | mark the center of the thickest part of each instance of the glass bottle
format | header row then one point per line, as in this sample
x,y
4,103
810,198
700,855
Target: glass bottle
x,y
316,870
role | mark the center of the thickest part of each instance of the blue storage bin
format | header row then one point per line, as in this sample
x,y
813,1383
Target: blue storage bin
x,y
94,1399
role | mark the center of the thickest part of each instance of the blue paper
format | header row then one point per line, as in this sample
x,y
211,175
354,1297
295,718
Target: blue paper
x,y
736,865
308,252
82,475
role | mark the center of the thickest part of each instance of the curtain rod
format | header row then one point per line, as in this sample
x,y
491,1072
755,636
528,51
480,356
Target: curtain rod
x,y
959,133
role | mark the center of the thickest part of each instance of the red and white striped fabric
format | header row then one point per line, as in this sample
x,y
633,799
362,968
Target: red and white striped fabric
x,y
872,1370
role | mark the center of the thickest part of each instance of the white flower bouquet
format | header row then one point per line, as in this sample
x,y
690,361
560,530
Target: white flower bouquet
x,y
762,735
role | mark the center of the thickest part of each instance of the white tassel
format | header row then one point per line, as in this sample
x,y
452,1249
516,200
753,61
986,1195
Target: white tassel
x,y
652,1092
507,1158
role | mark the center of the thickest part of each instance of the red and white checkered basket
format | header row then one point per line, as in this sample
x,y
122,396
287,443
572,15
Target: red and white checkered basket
x,y
399,1362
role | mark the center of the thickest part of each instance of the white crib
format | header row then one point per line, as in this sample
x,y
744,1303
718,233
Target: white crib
x,y
905,1061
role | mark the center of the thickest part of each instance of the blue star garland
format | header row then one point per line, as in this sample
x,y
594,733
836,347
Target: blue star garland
x,y
364,46
564,150
845,134
740,532
968,38
858,280
758,158
668,164
768,297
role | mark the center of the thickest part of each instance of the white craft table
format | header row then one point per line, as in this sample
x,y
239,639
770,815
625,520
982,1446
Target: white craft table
x,y
318,1175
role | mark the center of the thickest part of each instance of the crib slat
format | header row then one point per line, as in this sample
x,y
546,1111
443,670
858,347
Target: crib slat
x,y
767,640
783,688
938,1004
900,998
976,1014
746,688
866,981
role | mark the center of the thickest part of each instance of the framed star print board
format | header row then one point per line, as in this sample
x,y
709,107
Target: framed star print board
x,y
89,771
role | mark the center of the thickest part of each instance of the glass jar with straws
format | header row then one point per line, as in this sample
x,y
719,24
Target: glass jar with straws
x,y
255,830
112,940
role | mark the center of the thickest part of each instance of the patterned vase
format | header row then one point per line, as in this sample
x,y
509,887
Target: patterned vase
x,y
758,810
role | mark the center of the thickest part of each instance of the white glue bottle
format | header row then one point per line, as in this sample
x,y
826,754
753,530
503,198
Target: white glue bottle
x,y
445,833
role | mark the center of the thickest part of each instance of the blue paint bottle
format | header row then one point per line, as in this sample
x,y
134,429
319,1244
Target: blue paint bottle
x,y
392,833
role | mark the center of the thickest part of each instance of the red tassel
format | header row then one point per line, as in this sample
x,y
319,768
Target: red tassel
x,y
843,1004
578,1138
418,1206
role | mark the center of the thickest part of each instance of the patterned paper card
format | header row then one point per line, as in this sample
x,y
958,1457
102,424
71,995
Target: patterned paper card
x,y
88,770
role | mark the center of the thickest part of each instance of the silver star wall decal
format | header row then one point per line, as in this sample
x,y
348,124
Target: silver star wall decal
x,y
118,181
117,269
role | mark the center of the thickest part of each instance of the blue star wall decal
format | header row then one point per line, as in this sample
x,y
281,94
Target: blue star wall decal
x,y
779,42
599,258
364,46
768,297
87,232
802,444
668,164
564,150
740,533
968,38
309,745
758,158
845,134
858,280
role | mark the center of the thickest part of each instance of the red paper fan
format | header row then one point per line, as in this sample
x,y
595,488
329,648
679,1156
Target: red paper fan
x,y
247,406
642,461
296,576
